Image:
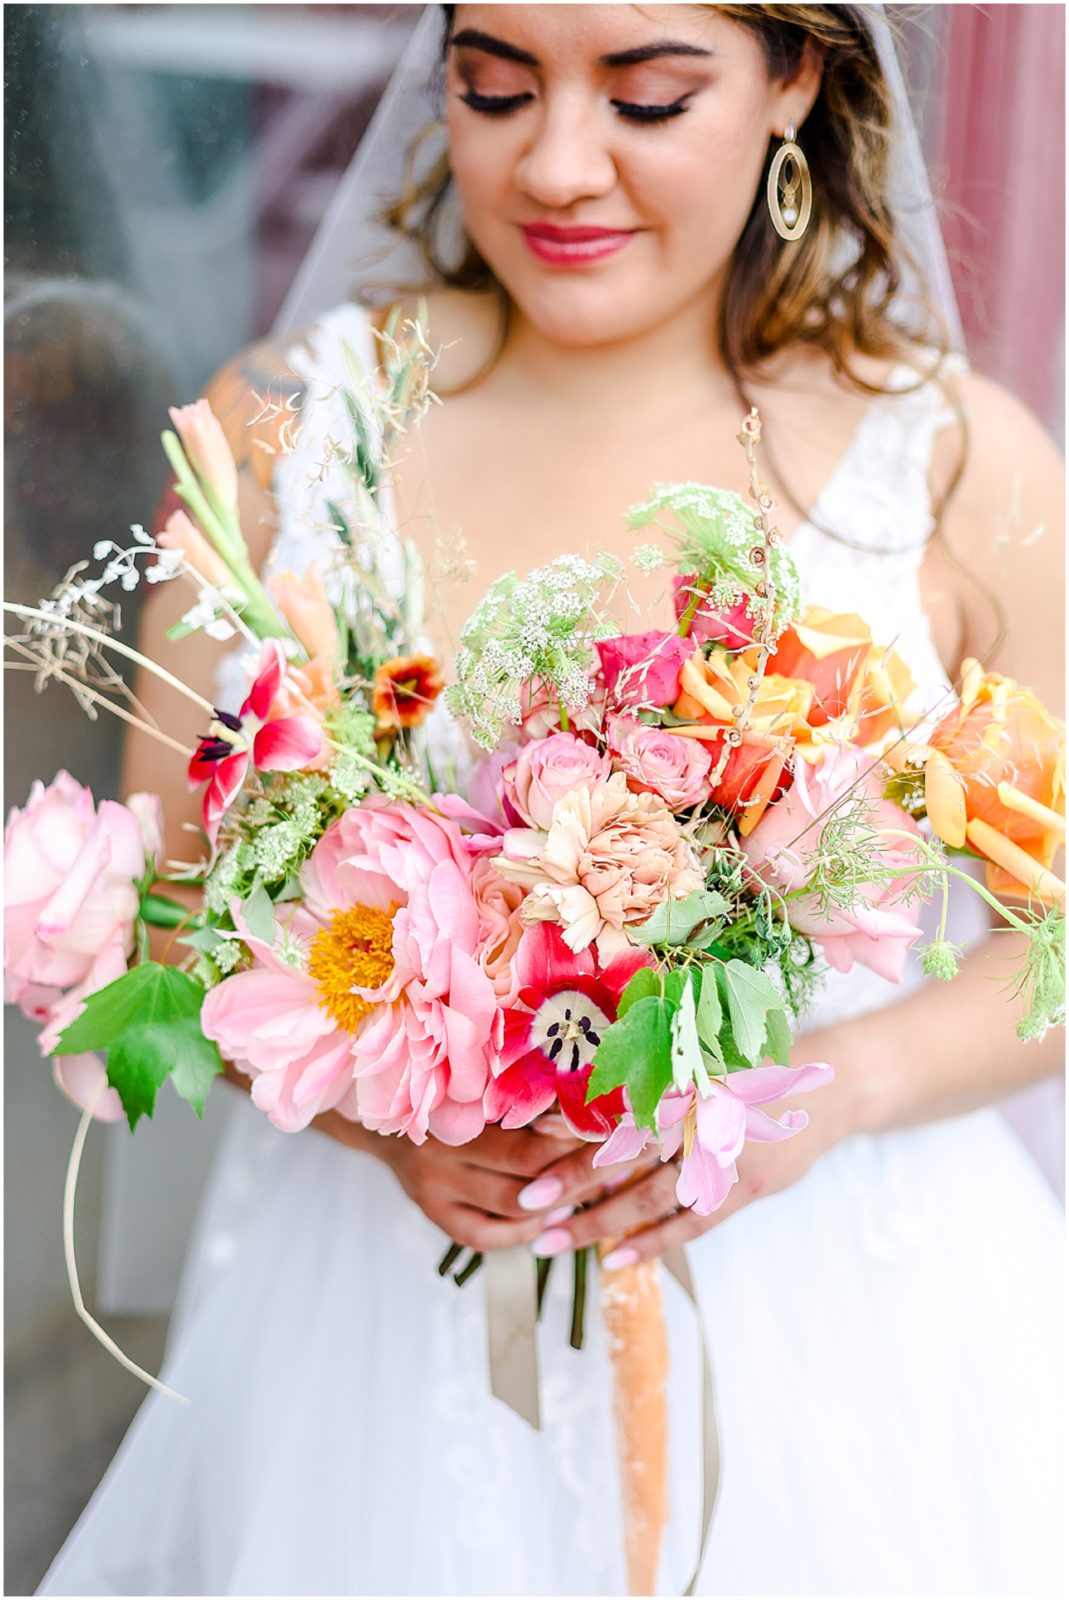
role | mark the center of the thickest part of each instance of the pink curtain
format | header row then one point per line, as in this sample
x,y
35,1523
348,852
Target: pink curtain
x,y
998,139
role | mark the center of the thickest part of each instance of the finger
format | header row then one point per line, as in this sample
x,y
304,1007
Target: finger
x,y
496,1194
648,1200
575,1179
468,1225
517,1151
660,1237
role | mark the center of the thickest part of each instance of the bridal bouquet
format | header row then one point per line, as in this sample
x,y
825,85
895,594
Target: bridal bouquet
x,y
670,834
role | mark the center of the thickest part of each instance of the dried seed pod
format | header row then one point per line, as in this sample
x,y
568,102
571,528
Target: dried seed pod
x,y
757,556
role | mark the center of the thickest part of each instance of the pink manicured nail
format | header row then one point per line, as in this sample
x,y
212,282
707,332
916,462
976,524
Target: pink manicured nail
x,y
541,1193
626,1256
552,1242
562,1213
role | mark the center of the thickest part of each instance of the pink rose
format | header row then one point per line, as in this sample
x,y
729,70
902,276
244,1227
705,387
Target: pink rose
x,y
658,762
70,886
643,668
547,769
730,625
878,928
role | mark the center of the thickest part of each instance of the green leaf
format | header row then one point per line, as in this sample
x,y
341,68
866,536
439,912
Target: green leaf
x,y
750,996
674,921
710,1013
779,1039
149,1023
644,984
259,913
687,1064
636,1054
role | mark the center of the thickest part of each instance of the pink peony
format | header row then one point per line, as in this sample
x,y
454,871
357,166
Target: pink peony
x,y
713,1128
609,859
730,625
655,761
545,770
71,872
878,929
372,1001
642,669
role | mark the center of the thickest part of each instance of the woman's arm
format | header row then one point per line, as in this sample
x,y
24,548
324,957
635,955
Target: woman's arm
x,y
947,1048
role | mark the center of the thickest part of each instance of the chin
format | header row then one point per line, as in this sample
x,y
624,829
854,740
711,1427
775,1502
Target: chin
x,y
589,312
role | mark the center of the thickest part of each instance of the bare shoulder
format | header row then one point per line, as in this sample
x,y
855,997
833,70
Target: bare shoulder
x,y
255,395
462,325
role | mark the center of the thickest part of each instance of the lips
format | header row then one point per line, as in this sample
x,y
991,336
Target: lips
x,y
546,230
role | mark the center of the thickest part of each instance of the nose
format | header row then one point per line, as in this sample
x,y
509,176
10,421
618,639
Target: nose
x,y
568,158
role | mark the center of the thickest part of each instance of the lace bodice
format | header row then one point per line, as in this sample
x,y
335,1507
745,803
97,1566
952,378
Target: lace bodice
x,y
877,499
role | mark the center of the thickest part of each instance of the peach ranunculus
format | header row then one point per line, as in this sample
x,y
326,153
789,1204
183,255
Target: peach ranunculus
x,y
546,769
829,650
711,690
654,761
303,603
995,780
498,902
404,691
608,860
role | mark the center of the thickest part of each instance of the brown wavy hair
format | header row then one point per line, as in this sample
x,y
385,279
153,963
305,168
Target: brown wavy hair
x,y
777,293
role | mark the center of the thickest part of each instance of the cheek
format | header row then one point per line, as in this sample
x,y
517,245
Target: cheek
x,y
481,165
705,191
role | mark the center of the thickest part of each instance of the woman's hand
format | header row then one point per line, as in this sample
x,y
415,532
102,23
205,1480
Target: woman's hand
x,y
638,1214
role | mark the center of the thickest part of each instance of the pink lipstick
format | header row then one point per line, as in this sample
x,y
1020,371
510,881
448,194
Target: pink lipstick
x,y
573,247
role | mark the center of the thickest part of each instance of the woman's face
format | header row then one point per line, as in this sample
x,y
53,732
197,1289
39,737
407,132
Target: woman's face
x,y
607,156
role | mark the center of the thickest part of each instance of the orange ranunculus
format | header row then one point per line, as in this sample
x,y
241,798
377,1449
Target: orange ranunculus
x,y
995,779
829,650
304,604
710,689
880,698
405,688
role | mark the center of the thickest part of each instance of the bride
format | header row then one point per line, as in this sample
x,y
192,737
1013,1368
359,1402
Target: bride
x,y
880,1292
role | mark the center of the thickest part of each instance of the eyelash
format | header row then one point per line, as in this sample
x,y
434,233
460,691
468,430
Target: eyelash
x,y
504,106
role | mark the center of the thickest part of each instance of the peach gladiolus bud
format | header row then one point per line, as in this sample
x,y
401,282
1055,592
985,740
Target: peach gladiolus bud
x,y
179,533
830,650
208,450
304,604
995,779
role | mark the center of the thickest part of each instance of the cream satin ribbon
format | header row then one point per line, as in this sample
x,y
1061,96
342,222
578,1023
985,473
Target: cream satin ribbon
x,y
511,1315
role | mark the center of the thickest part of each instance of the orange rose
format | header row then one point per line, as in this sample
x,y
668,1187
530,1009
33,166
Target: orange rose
x,y
995,779
829,650
405,689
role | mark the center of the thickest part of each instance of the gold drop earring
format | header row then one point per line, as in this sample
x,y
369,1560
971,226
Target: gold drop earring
x,y
790,188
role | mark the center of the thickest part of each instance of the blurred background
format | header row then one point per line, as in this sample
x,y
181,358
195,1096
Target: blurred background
x,y
166,168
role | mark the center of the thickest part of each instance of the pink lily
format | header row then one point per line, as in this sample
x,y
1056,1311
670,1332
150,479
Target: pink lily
x,y
712,1129
279,744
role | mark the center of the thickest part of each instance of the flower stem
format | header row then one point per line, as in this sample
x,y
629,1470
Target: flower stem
x,y
579,1299
110,643
451,1255
542,1272
460,1278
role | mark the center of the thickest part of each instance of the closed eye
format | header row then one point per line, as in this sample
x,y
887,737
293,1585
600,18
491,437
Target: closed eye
x,y
505,105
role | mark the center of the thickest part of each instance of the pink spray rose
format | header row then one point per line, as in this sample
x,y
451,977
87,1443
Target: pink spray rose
x,y
643,668
878,929
609,859
545,770
71,871
373,1000
729,625
655,761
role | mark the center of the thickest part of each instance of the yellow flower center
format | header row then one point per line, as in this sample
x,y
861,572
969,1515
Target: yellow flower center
x,y
355,951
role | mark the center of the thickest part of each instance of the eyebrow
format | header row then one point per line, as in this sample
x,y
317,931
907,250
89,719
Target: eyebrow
x,y
474,39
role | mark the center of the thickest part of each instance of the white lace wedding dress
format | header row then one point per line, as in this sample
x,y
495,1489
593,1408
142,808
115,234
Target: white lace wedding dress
x,y
886,1335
